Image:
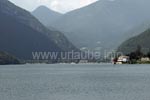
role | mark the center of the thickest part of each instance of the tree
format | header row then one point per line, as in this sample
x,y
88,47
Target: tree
x,y
138,52
148,54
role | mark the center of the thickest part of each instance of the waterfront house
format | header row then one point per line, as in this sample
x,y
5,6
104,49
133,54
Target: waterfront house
x,y
145,59
123,60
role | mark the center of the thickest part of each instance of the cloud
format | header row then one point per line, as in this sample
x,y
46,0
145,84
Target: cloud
x,y
68,5
57,5
26,4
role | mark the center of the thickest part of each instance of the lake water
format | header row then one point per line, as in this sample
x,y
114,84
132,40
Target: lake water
x,y
75,82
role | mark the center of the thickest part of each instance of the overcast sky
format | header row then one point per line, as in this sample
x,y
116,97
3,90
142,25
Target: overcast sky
x,y
57,5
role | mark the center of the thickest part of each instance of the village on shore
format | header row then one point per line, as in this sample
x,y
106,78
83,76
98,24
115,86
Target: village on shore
x,y
136,57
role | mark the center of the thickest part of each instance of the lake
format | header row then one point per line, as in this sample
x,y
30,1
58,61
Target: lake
x,y
75,82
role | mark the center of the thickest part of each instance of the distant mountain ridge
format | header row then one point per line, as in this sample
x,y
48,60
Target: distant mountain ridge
x,y
131,44
45,15
106,22
21,33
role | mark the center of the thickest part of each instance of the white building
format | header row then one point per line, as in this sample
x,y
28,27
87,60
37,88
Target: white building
x,y
123,59
145,59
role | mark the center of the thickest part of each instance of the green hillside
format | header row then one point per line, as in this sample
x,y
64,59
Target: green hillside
x,y
142,40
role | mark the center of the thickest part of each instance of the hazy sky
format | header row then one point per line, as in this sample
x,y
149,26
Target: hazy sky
x,y
57,5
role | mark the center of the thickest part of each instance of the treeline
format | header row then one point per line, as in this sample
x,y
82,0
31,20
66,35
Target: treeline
x,y
137,55
6,59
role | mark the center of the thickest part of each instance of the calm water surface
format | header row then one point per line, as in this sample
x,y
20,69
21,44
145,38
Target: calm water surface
x,y
75,82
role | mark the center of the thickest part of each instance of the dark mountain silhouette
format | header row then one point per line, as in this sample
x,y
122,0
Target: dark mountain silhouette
x,y
21,33
6,58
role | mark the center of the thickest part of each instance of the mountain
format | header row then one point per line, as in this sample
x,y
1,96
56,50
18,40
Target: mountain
x,y
21,33
131,44
45,15
137,30
6,58
105,23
